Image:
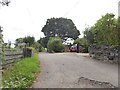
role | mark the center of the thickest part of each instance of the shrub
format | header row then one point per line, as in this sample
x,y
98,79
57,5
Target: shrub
x,y
85,50
55,45
38,47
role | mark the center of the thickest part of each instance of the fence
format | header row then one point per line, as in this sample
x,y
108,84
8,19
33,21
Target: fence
x,y
11,56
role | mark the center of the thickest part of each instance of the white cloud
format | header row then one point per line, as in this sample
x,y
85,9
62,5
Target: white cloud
x,y
27,17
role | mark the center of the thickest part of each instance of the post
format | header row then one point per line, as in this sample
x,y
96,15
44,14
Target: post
x,y
119,43
1,48
25,50
1,55
78,48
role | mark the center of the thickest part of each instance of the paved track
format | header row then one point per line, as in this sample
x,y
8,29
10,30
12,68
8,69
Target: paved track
x,y
63,70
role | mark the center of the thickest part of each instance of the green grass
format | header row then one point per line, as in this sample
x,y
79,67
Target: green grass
x,y
22,74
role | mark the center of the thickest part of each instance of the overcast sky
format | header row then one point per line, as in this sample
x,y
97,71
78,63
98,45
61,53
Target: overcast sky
x,y
27,17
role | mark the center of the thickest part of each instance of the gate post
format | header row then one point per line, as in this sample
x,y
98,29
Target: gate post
x,y
1,55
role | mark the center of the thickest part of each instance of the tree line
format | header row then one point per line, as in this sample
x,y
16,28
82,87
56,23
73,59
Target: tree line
x,y
56,31
105,31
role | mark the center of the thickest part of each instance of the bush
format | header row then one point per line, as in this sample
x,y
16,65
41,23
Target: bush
x,y
38,47
55,45
85,50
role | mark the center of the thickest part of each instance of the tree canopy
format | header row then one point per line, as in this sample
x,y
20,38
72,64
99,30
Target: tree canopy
x,y
5,2
104,31
61,27
81,41
28,40
43,41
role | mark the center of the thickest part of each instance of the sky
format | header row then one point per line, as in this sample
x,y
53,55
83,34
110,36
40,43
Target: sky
x,y
27,17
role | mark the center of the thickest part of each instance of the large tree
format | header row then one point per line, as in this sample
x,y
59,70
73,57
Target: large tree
x,y
61,27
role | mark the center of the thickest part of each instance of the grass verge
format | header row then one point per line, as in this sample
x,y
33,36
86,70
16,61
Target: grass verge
x,y
22,74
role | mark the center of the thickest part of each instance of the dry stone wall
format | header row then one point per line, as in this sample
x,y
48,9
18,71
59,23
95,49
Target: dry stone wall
x,y
105,52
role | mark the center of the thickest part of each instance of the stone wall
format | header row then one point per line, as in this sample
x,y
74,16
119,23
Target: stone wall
x,y
104,52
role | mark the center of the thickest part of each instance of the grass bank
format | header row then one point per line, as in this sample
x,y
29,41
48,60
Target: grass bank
x,y
22,74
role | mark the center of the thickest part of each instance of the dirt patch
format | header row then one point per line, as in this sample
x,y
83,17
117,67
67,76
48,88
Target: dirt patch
x,y
89,83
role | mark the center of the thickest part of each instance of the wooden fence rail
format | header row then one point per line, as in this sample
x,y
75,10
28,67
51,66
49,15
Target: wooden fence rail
x,y
11,56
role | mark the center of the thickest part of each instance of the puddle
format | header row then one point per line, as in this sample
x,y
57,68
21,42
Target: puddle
x,y
94,83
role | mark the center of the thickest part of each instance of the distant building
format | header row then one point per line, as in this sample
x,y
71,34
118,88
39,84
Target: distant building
x,y
119,8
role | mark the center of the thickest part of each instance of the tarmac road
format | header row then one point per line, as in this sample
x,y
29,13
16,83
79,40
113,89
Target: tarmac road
x,y
64,70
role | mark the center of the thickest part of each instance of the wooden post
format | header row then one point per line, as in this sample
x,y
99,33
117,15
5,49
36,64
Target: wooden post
x,y
25,50
1,48
1,54
78,48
